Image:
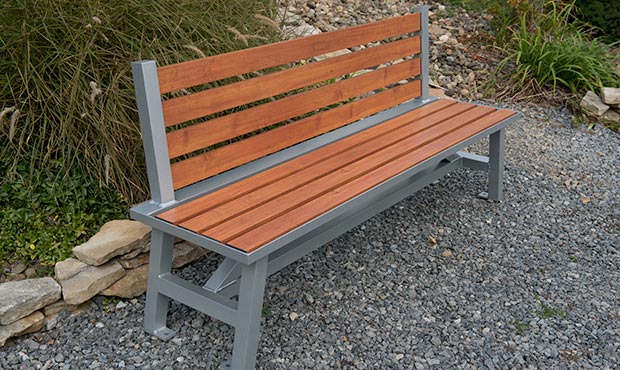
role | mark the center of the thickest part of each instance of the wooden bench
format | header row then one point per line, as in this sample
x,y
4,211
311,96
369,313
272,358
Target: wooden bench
x,y
327,148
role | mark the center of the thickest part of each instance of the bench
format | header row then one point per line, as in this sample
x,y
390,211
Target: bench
x,y
263,155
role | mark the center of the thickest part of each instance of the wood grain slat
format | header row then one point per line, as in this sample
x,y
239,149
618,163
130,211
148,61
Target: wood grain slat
x,y
200,71
398,130
221,159
202,135
189,210
256,237
203,103
284,203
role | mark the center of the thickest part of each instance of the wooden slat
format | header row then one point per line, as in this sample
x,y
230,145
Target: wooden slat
x,y
214,100
284,203
221,159
189,210
361,155
200,71
214,131
256,237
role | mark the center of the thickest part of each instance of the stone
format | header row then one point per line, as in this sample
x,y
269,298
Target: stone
x,y
58,307
611,116
447,253
185,253
21,298
439,93
332,54
28,324
90,282
115,238
593,104
68,268
135,252
30,272
18,268
300,31
139,260
131,285
610,95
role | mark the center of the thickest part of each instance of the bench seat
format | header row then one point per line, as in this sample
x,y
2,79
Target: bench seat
x,y
256,210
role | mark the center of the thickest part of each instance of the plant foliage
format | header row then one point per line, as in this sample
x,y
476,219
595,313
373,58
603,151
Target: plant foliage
x,y
605,15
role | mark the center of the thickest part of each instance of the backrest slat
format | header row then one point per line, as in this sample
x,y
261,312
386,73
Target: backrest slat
x,y
212,162
214,100
196,72
198,136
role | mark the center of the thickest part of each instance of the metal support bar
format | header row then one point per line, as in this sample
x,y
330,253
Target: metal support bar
x,y
497,142
153,131
227,273
156,306
198,298
474,161
424,50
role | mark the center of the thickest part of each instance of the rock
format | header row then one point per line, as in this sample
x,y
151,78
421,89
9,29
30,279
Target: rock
x,y
21,298
439,93
593,104
611,116
131,285
30,272
18,268
447,253
115,238
90,282
59,306
68,268
610,95
135,252
26,325
185,253
332,54
140,260
299,31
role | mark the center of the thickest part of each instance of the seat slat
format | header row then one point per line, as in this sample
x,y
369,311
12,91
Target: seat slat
x,y
189,210
198,136
284,203
221,159
392,132
200,71
214,100
284,223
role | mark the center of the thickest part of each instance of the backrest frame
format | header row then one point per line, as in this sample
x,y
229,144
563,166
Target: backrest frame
x,y
149,102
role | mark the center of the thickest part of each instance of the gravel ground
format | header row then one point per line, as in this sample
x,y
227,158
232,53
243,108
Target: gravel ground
x,y
442,280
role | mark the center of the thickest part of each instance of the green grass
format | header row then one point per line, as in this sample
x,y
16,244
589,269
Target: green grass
x,y
548,312
520,326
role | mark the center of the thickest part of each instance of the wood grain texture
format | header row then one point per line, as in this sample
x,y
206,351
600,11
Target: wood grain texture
x,y
203,103
239,189
331,170
256,237
200,71
221,159
198,136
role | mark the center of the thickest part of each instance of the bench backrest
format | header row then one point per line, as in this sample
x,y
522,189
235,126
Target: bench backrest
x,y
219,124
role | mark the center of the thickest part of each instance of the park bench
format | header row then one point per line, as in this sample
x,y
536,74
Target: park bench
x,y
265,154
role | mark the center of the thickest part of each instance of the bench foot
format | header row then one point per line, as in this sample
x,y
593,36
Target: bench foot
x,y
497,142
156,306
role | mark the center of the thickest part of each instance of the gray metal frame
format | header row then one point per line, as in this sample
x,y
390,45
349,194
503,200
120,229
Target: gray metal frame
x,y
243,275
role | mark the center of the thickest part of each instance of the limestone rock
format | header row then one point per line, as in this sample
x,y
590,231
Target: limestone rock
x,y
59,306
115,238
21,298
139,260
610,95
612,116
185,253
593,104
131,285
68,268
90,282
28,324
135,252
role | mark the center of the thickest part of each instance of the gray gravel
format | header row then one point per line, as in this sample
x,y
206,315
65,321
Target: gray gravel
x,y
442,280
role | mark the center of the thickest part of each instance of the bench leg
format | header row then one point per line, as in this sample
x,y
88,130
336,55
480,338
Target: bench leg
x,y
156,306
250,307
496,165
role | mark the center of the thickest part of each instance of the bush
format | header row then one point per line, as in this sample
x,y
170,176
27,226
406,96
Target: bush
x,y
65,71
551,49
604,15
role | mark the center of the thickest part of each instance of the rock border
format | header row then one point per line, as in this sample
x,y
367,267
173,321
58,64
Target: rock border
x,y
114,262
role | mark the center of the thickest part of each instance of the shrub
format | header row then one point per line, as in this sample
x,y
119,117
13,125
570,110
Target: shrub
x,y
602,14
65,69
551,49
